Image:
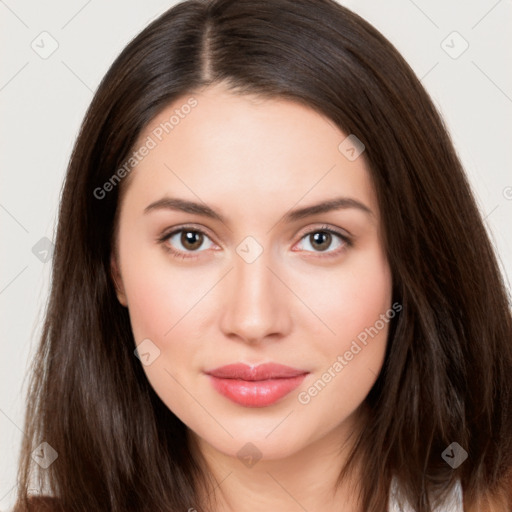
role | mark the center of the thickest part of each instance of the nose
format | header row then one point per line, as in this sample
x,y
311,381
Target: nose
x,y
258,306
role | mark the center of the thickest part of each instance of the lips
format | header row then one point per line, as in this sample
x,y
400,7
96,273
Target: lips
x,y
258,386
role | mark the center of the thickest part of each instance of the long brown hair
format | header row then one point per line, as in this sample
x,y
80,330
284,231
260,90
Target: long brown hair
x,y
447,373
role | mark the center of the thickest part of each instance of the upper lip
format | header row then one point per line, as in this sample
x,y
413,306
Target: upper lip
x,y
261,372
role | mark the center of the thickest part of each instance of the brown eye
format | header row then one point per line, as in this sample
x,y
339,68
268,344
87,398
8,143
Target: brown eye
x,y
324,240
191,240
185,241
320,240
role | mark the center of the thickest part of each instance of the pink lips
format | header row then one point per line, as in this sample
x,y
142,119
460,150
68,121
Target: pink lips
x,y
255,386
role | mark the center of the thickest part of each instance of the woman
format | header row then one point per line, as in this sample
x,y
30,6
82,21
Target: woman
x,y
264,203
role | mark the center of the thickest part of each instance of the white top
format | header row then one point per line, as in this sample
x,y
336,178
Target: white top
x,y
453,503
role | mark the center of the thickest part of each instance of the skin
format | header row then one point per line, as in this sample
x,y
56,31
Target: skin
x,y
253,160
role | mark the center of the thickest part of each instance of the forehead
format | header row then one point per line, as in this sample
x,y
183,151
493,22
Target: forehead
x,y
247,150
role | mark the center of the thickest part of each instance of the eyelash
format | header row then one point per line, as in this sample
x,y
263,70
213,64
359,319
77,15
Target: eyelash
x,y
347,241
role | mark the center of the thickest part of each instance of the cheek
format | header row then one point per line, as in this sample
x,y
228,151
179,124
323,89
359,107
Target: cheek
x,y
365,297
161,293
349,299
167,299
162,302
357,306
152,301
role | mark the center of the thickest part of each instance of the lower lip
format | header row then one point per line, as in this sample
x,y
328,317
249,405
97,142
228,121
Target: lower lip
x,y
258,393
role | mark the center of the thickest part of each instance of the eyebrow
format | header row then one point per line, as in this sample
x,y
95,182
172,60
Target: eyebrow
x,y
184,205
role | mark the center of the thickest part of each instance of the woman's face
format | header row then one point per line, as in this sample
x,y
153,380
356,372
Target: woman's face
x,y
224,258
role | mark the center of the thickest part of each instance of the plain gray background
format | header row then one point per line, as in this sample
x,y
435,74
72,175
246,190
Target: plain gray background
x,y
459,49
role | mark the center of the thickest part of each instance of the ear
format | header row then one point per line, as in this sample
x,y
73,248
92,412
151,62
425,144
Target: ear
x,y
116,278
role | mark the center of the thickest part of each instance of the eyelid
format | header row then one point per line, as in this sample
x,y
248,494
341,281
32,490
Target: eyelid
x,y
177,253
184,227
346,240
344,235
